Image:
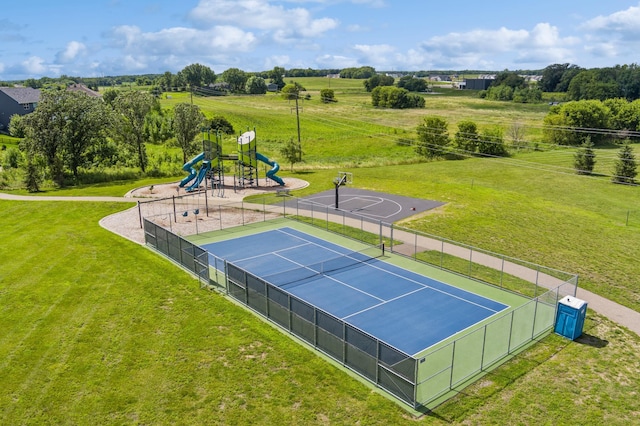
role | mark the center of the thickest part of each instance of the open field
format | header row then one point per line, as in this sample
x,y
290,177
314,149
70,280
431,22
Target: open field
x,y
97,327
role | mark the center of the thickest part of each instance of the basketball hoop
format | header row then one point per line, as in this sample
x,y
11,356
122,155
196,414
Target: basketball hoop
x,y
343,178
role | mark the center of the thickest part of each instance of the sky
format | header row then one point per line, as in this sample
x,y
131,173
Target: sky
x,y
93,38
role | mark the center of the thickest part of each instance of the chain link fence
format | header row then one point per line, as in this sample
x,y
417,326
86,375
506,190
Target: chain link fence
x,y
417,380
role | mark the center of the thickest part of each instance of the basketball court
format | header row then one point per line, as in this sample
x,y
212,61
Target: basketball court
x,y
361,203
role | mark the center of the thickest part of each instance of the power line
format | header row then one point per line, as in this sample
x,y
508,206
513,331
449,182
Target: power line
x,y
562,149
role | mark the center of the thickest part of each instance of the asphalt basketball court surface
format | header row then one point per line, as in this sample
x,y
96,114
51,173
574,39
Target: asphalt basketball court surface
x,y
371,205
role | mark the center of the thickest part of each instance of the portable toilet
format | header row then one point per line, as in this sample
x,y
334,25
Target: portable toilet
x,y
570,317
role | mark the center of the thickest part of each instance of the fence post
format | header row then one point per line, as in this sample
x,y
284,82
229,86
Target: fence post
x,y
140,214
327,218
175,216
453,356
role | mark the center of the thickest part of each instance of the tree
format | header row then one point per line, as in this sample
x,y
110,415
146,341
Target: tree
x,y
584,159
158,127
44,133
291,91
291,152
502,92
132,108
556,77
327,96
509,78
530,95
378,80
625,115
551,77
256,85
466,138
187,124
277,76
567,77
360,73
491,142
593,84
63,129
412,84
86,122
516,133
433,137
109,96
16,126
165,80
395,97
236,79
625,166
221,124
32,178
569,123
197,75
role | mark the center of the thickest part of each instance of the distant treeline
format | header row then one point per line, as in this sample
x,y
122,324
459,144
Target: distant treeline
x,y
621,81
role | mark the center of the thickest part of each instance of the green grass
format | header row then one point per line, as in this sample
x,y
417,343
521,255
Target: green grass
x,y
477,271
97,329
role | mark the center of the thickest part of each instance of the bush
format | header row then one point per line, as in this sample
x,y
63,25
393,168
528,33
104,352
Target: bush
x,y
12,158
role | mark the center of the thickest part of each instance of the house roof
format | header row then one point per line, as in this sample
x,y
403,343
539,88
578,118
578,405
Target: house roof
x,y
76,87
22,95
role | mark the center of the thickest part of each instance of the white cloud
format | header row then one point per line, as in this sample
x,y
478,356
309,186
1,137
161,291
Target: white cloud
x,y
73,50
336,61
276,61
379,56
182,41
625,23
542,45
35,65
285,24
603,50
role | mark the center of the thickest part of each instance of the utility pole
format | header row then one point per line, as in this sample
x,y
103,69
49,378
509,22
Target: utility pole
x,y
298,121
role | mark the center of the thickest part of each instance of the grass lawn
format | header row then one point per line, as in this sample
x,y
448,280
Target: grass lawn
x,y
97,329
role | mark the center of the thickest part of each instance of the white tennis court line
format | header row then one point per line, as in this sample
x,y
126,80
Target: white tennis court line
x,y
422,285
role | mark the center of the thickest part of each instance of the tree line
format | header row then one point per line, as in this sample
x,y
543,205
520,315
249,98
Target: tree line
x,y
72,131
621,81
434,142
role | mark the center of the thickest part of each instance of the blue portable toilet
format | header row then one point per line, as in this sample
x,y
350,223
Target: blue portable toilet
x,y
570,317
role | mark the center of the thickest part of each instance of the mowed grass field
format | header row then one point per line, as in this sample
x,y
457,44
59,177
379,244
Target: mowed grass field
x,y
99,330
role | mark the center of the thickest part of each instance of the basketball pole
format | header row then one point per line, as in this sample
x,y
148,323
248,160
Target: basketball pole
x,y
338,182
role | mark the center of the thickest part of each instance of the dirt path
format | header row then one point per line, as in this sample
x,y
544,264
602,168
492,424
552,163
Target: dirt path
x,y
127,224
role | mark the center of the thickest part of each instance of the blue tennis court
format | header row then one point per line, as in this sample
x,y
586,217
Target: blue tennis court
x,y
406,310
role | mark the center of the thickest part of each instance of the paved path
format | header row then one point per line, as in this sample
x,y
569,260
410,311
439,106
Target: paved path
x,y
614,311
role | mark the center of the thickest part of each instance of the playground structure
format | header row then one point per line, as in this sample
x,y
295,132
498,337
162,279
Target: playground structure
x,y
211,166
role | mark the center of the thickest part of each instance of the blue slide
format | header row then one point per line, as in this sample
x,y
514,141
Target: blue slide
x,y
271,174
193,174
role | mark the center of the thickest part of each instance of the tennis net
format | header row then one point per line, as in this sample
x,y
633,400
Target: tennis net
x,y
343,261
